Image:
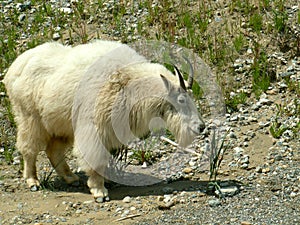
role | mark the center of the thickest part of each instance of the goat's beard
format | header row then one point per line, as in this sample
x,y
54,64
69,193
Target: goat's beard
x,y
185,137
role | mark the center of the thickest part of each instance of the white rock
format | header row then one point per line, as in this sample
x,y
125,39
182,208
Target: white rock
x,y
127,199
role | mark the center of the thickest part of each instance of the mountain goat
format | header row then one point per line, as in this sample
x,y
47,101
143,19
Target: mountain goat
x,y
116,84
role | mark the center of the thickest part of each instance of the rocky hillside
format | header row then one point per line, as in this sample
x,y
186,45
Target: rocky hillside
x,y
252,47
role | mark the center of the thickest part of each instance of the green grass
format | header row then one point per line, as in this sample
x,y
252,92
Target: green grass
x,y
232,103
256,22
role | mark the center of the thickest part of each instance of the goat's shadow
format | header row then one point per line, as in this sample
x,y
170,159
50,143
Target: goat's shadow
x,y
119,191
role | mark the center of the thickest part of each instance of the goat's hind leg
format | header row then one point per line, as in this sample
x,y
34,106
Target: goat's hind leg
x,y
30,143
56,150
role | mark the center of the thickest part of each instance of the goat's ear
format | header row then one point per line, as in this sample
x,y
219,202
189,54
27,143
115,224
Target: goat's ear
x,y
167,83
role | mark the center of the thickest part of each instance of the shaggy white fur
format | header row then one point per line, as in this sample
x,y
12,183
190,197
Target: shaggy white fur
x,y
123,92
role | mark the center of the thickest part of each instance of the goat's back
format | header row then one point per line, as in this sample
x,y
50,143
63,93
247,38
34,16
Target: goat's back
x,y
42,81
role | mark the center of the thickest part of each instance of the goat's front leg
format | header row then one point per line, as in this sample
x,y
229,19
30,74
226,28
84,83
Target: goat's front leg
x,y
96,185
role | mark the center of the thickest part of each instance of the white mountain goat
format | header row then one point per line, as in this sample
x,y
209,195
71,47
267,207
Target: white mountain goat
x,y
42,84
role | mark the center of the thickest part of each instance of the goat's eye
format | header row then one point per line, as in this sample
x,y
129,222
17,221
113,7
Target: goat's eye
x,y
181,99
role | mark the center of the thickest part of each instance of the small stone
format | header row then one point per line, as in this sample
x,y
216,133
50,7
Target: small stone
x,y
187,170
244,166
227,191
214,202
167,198
232,135
265,170
125,213
258,169
21,17
66,10
265,101
144,165
119,210
88,202
78,211
99,200
244,159
56,36
34,188
192,163
246,223
132,208
127,199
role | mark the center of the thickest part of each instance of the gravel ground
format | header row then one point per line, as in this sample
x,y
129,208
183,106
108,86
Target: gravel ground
x,y
260,175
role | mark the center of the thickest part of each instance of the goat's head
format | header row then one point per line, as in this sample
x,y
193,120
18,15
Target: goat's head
x,y
181,115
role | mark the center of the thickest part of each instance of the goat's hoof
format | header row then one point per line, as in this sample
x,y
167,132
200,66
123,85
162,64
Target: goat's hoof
x,y
99,200
102,199
34,188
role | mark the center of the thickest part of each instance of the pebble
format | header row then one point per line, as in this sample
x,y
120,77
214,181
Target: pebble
x,y
187,170
214,202
246,223
56,36
265,170
127,199
227,191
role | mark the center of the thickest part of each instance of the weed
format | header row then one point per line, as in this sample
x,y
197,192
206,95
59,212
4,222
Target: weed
x,y
239,42
144,152
256,22
233,102
46,180
217,151
276,129
280,20
261,76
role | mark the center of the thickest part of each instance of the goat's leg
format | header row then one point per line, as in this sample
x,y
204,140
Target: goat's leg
x,y
30,140
96,185
55,150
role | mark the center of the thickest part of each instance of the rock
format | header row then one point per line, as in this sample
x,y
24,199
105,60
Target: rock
x,y
244,159
167,198
132,208
56,36
127,199
125,213
187,170
265,170
214,202
21,17
265,101
244,166
78,211
232,135
88,202
66,10
119,210
258,169
246,223
227,191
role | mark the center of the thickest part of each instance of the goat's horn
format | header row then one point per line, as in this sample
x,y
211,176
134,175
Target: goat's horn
x,y
181,80
191,73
